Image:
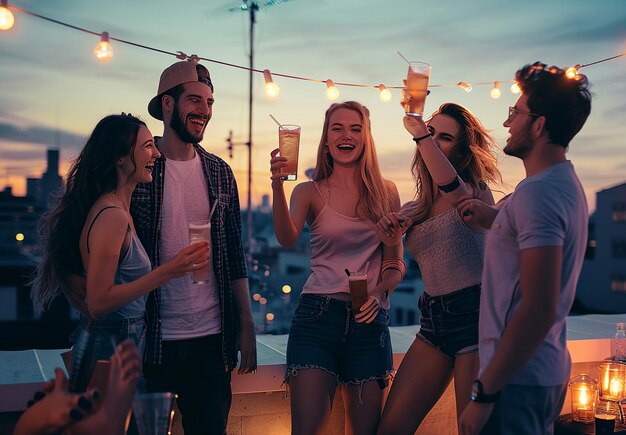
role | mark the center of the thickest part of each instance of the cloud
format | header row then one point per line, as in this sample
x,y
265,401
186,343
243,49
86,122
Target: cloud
x,y
50,137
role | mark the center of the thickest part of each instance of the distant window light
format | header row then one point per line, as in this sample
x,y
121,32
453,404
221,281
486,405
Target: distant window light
x,y
592,243
619,248
619,212
618,284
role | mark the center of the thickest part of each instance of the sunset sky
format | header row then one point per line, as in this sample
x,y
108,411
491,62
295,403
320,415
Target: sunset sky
x,y
53,90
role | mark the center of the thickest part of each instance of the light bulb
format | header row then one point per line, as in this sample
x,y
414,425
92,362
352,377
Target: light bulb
x,y
465,86
385,94
495,92
332,93
271,88
572,72
515,89
6,16
269,317
103,51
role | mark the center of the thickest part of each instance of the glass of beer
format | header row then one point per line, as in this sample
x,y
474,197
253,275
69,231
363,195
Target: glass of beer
x,y
200,231
358,290
417,87
289,145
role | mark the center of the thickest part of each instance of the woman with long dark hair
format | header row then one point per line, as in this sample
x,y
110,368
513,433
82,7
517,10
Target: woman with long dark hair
x,y
91,232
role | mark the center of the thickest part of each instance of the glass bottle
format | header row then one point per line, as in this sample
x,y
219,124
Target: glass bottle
x,y
619,342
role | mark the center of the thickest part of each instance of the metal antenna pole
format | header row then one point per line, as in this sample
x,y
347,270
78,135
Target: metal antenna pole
x,y
253,8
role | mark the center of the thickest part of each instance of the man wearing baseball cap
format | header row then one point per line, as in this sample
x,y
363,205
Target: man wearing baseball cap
x,y
194,330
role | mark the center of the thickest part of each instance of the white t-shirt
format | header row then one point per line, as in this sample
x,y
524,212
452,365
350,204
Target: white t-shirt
x,y
546,209
187,310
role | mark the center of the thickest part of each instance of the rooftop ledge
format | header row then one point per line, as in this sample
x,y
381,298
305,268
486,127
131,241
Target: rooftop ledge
x,y
22,372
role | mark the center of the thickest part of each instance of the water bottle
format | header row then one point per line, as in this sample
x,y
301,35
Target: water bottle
x,y
619,343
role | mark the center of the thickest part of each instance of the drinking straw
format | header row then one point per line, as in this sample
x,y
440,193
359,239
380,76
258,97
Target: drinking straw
x,y
347,271
275,120
400,54
212,210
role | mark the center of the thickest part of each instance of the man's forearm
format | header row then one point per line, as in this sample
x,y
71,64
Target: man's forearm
x,y
242,299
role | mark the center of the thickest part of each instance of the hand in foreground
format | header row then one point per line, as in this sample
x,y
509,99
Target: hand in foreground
x,y
191,258
276,164
477,212
56,408
247,347
404,102
474,418
390,228
368,312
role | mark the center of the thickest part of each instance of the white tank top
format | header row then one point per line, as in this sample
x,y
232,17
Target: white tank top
x,y
339,242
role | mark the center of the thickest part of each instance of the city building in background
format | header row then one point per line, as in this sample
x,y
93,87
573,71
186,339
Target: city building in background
x,y
602,283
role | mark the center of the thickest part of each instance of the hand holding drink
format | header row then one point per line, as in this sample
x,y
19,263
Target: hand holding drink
x,y
358,290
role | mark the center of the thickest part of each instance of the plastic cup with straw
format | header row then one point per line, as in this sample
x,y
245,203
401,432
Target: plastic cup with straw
x,y
200,231
357,282
288,145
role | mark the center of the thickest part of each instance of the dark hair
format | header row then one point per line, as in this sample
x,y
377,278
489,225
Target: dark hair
x,y
564,102
92,174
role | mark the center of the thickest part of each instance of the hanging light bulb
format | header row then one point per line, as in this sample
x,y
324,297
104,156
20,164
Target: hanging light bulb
x,y
385,94
465,86
6,16
572,72
515,89
271,89
103,51
495,92
332,93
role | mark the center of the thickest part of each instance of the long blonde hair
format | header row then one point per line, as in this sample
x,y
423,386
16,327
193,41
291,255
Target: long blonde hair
x,y
473,158
374,199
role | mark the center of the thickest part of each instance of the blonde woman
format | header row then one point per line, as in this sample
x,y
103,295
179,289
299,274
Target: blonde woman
x,y
454,159
330,342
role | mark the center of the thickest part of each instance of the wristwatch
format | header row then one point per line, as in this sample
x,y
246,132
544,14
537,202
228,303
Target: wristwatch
x,y
479,396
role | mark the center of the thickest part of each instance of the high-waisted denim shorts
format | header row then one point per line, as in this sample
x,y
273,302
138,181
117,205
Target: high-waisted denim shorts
x,y
324,335
449,322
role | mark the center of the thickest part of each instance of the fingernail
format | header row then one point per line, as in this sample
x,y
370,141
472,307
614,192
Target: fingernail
x,y
39,395
84,403
75,414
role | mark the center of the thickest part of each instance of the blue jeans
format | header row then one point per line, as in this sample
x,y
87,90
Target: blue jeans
x,y
449,322
324,335
526,410
194,369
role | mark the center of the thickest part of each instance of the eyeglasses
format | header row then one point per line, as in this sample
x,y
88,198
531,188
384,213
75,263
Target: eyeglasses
x,y
514,111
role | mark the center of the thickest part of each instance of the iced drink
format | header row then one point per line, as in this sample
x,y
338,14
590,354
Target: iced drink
x,y
358,291
288,145
200,231
417,87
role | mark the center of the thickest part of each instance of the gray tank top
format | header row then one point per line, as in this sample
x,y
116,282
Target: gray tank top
x,y
450,255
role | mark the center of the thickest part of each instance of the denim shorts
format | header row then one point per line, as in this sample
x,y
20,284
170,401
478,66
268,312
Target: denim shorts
x,y
324,335
449,322
108,331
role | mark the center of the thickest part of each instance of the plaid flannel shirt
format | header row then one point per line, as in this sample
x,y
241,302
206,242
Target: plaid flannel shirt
x,y
229,262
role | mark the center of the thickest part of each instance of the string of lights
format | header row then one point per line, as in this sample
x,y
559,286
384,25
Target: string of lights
x,y
104,52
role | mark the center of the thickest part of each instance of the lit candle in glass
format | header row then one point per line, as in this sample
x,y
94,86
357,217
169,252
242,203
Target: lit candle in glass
x,y
613,379
584,391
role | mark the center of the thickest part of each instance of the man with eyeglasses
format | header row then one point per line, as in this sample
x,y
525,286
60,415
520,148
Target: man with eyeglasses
x,y
533,257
